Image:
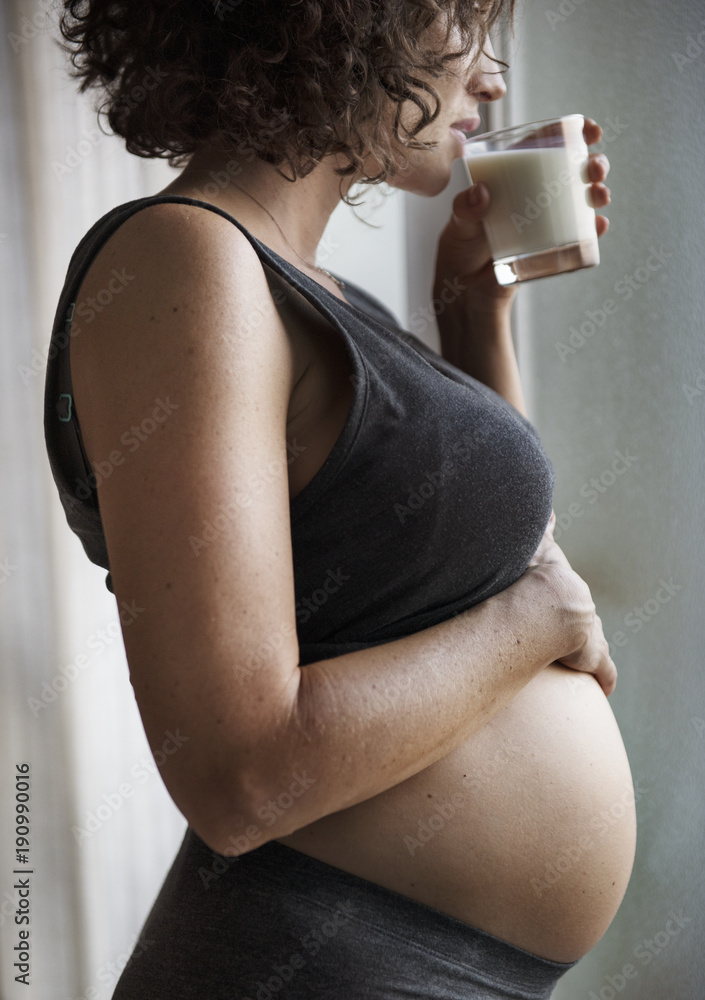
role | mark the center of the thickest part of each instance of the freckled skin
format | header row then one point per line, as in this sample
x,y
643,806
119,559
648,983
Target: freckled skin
x,y
533,782
519,811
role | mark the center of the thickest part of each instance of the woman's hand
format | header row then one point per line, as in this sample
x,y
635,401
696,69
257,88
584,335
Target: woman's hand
x,y
463,250
591,652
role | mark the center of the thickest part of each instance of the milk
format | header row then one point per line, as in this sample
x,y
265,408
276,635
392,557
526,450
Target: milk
x,y
538,199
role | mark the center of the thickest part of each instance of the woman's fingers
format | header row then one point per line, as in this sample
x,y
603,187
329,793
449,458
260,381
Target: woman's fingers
x,y
466,219
600,195
602,224
606,675
592,132
468,208
598,167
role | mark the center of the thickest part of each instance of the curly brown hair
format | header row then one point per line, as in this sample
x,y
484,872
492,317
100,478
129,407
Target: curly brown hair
x,y
289,81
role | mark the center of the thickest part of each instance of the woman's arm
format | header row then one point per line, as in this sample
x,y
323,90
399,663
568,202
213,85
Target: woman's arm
x,y
479,341
474,327
215,655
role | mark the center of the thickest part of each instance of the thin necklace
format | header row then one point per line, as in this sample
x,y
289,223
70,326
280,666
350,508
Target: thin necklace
x,y
338,282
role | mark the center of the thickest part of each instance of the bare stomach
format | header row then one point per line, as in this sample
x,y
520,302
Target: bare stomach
x,y
526,831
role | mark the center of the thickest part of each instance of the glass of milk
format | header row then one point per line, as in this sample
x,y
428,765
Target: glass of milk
x,y
540,220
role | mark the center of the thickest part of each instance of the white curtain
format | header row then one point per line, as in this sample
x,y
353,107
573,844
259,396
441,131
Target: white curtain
x,y
90,766
78,727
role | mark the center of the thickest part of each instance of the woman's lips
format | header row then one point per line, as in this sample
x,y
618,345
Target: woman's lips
x,y
466,125
459,130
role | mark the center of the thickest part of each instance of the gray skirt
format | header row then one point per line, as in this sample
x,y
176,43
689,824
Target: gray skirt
x,y
276,924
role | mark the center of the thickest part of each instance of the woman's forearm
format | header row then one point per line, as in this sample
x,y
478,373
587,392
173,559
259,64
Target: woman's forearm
x,y
357,724
479,342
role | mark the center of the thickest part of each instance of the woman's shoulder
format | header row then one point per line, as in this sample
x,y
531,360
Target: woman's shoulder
x,y
169,282
165,251
179,221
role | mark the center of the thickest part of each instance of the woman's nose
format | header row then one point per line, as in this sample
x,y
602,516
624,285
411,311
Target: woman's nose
x,y
486,82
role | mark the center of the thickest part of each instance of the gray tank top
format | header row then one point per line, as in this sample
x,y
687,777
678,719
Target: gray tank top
x,y
434,497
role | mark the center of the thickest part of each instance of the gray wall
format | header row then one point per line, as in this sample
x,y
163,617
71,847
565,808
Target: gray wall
x,y
637,68
636,384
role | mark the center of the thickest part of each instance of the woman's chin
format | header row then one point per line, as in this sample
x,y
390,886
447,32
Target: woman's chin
x,y
437,183
428,180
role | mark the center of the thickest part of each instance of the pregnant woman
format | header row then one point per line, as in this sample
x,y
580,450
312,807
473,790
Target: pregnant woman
x,y
399,767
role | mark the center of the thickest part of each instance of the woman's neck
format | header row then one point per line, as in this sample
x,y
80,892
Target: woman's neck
x,y
253,192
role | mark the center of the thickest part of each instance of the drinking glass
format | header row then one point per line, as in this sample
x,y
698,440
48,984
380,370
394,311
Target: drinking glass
x,y
541,220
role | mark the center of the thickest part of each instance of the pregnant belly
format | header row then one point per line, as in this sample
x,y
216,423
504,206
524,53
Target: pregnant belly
x,y
526,831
